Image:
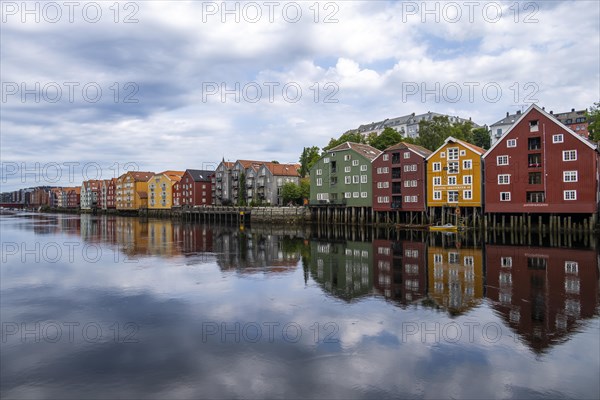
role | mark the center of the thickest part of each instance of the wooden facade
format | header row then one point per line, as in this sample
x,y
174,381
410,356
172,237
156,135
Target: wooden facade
x,y
541,166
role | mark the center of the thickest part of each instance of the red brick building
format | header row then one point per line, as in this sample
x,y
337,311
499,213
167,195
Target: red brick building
x,y
399,182
106,199
73,197
541,166
194,189
543,293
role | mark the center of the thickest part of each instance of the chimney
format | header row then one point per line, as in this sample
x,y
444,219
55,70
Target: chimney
x,y
572,110
543,108
551,112
518,112
507,113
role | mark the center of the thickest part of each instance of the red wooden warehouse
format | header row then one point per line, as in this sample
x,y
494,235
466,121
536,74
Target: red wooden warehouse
x,y
540,166
399,179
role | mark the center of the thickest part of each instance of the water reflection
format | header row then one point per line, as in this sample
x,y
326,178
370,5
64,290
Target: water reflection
x,y
542,293
363,287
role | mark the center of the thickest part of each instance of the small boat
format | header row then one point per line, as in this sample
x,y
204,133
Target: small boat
x,y
443,228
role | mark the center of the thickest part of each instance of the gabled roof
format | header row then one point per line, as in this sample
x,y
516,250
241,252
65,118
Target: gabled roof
x,y
200,175
141,176
283,169
419,150
173,175
363,149
251,163
509,119
468,145
552,117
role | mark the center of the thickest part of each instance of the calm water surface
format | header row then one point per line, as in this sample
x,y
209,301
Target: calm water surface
x,y
108,307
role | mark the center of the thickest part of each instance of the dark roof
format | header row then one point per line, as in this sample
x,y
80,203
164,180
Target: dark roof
x,y
200,175
364,149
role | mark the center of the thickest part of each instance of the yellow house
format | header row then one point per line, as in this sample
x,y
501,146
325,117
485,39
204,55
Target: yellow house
x,y
455,277
454,175
160,189
132,190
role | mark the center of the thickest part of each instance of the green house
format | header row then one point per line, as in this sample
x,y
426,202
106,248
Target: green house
x,y
343,176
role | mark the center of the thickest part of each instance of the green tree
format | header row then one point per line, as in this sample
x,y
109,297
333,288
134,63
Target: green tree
x,y
481,138
593,117
305,188
242,190
385,139
463,131
290,192
308,158
350,136
433,133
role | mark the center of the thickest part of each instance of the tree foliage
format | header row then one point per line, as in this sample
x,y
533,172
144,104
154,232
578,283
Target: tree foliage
x,y
385,139
350,136
242,190
481,138
593,117
432,134
308,158
290,192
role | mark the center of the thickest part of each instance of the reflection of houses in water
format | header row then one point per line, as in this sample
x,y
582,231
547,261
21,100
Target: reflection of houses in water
x,y
455,277
69,224
132,236
193,238
254,252
542,293
160,238
400,270
343,269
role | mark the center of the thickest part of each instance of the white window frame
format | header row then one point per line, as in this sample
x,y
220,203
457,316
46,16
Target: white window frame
x,y
558,138
467,194
436,166
347,168
406,155
504,179
354,163
452,192
319,181
363,195
386,157
363,167
467,164
468,178
567,155
437,194
355,179
452,180
363,179
500,160
437,181
451,151
511,143
569,195
570,176
348,180
504,196
319,172
355,195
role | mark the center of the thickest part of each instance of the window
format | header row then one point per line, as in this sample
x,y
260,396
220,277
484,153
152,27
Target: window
x,y
437,180
569,176
534,143
511,143
319,181
570,194
571,267
504,196
506,262
437,195
443,154
332,181
347,195
363,167
467,179
363,195
363,179
437,166
536,197
453,153
453,196
326,160
354,163
463,153
451,180
347,168
453,167
322,196
534,160
569,155
347,157
535,178
355,179
347,180
406,154
355,195
557,138
534,126
410,168
467,164
502,160
386,157
319,172
467,195
504,179
395,158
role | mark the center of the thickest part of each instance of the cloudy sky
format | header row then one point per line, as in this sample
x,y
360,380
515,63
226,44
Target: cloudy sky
x,y
103,86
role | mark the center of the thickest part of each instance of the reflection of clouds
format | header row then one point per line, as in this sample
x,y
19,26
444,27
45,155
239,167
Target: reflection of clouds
x,y
170,301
